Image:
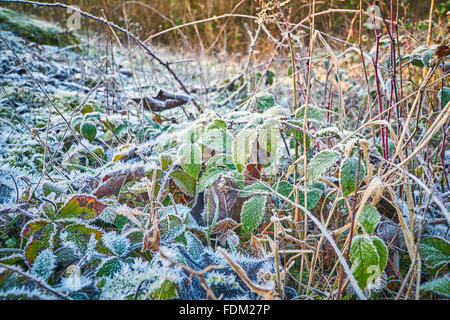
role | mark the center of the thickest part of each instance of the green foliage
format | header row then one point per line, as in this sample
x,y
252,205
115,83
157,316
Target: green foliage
x,y
347,175
435,251
253,212
81,207
265,102
185,182
192,158
369,218
209,177
440,286
35,30
217,140
89,130
320,164
314,114
369,257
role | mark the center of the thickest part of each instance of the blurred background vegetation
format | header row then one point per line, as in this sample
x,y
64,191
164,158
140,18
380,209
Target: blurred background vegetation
x,y
149,17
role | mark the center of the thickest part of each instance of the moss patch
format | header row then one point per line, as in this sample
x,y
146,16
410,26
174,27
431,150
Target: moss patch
x,y
35,30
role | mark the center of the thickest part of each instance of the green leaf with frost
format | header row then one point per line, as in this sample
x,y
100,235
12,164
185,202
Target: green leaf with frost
x,y
170,227
217,140
265,101
185,182
276,112
269,135
320,164
369,218
440,286
314,196
315,114
80,235
191,158
252,212
217,124
41,240
435,251
382,252
365,260
81,207
167,290
209,177
347,175
109,267
242,147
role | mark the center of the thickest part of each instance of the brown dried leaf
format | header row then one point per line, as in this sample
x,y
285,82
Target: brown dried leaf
x,y
229,202
152,240
252,172
111,183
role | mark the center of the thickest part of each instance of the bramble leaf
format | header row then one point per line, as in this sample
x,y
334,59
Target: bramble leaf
x,y
81,207
347,175
435,251
252,212
319,165
369,218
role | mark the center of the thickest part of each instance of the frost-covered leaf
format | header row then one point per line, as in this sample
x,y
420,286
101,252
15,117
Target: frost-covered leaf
x,y
185,182
80,235
217,140
109,267
314,114
382,252
255,187
118,244
33,226
66,254
41,240
365,260
285,188
81,207
440,286
276,112
253,212
435,251
369,218
446,96
320,164
170,227
194,245
347,175
265,101
44,264
192,158
314,196
167,290
207,179
217,124
268,135
220,160
242,147
88,130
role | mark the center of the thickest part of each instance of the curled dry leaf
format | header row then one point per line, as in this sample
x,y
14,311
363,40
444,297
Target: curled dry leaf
x,y
112,182
229,236
152,240
256,246
229,203
252,172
